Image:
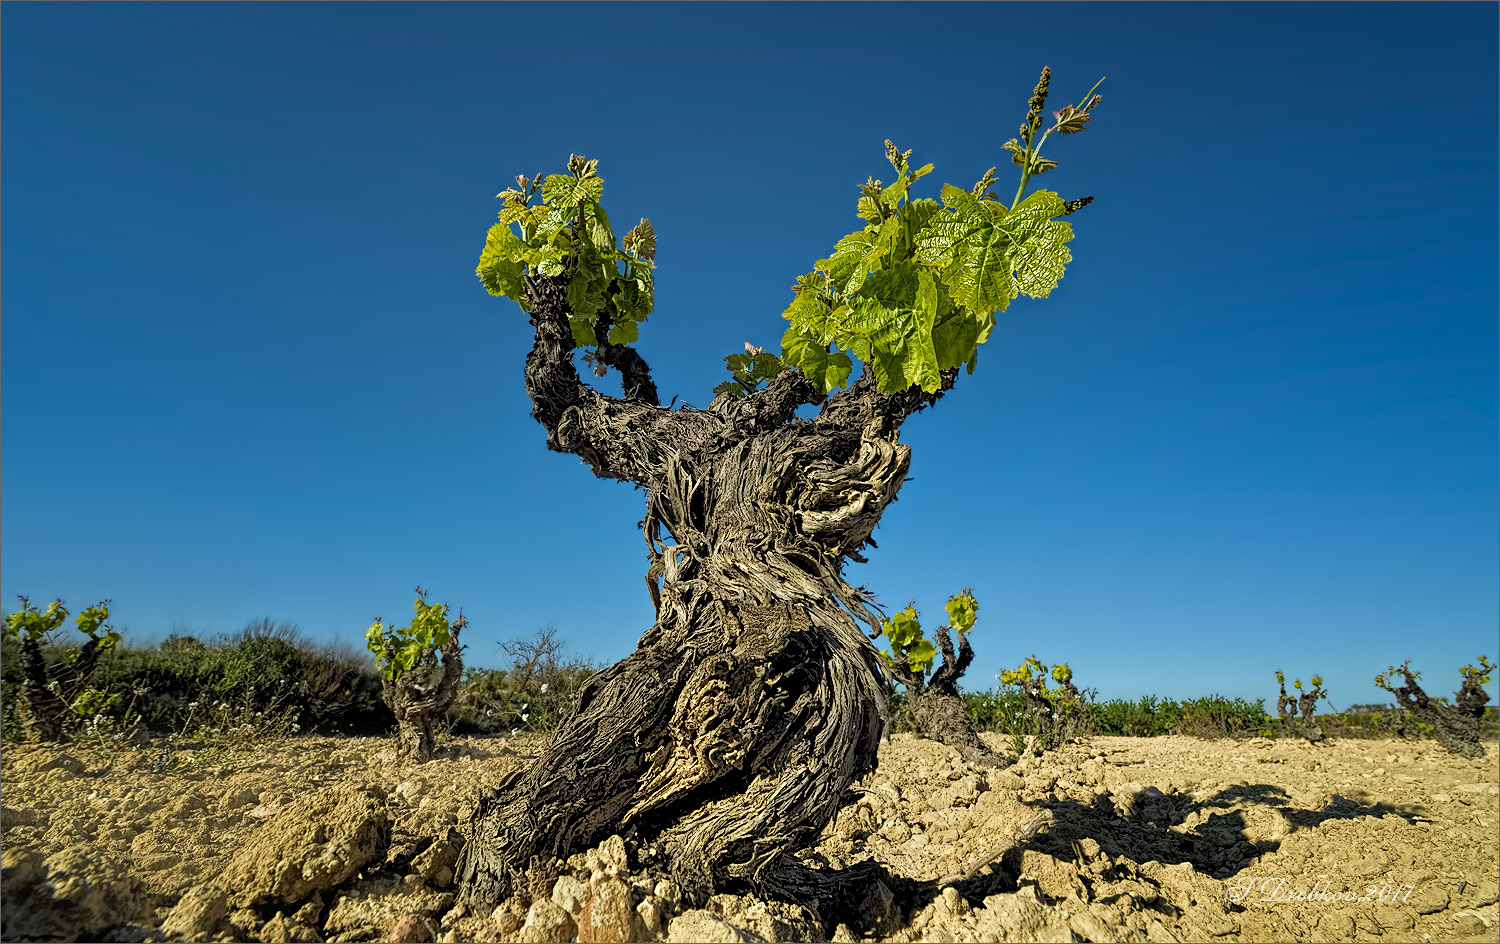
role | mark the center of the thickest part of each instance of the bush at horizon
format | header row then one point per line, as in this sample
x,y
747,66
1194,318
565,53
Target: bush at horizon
x,y
268,666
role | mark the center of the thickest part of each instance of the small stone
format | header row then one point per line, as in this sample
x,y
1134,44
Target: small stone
x,y
954,902
612,854
282,930
411,929
198,913
436,863
507,921
608,916
1468,924
569,894
704,927
668,892
547,922
652,916
408,791
1429,898
842,935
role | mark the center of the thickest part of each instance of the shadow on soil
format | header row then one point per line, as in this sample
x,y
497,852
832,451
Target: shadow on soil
x,y
1148,825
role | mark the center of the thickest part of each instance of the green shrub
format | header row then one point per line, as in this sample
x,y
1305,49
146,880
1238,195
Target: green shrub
x,y
1143,718
266,669
1005,711
996,710
1051,716
1218,717
536,694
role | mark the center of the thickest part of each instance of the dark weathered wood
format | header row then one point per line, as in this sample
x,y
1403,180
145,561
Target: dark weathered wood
x,y
1459,727
728,737
42,708
936,705
417,699
46,699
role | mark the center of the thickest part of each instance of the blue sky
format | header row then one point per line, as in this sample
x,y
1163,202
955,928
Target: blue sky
x,y
248,370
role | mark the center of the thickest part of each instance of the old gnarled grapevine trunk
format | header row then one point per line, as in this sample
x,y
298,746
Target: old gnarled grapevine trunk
x,y
419,696
727,738
936,705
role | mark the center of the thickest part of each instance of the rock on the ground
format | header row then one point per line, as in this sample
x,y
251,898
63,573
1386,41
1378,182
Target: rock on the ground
x,y
412,929
609,915
199,913
74,894
546,921
705,927
312,845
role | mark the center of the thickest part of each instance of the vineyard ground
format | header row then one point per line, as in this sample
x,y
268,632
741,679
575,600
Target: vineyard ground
x,y
1152,839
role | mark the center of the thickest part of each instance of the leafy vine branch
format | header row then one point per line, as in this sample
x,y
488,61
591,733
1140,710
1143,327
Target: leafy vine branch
x,y
912,294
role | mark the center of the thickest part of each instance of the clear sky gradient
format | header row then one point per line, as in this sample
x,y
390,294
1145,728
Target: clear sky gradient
x,y
248,370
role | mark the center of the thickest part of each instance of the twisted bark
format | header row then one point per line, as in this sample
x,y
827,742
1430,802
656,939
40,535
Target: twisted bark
x,y
1459,727
936,705
45,701
416,700
727,738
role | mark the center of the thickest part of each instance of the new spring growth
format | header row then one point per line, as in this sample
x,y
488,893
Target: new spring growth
x,y
1033,670
1070,119
34,624
904,630
397,649
1482,671
1404,668
1316,681
962,610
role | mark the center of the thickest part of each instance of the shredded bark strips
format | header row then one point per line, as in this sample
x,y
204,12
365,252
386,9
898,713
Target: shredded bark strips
x,y
728,737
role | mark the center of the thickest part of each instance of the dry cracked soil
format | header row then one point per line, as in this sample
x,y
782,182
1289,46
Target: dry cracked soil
x,y
1160,839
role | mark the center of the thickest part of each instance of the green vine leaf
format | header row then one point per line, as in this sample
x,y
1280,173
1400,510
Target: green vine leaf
x,y
963,610
854,256
1040,251
969,249
500,264
599,232
567,191
891,327
955,338
829,370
